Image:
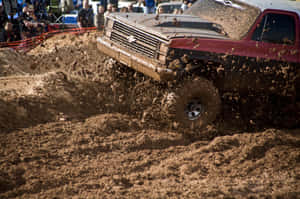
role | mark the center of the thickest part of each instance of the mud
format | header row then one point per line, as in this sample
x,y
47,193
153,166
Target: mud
x,y
75,124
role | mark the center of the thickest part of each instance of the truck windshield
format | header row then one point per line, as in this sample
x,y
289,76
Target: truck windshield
x,y
235,17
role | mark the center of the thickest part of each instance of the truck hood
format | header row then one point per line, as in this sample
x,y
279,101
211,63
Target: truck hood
x,y
169,26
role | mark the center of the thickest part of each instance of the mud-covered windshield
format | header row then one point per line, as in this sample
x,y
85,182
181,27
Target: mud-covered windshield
x,y
235,17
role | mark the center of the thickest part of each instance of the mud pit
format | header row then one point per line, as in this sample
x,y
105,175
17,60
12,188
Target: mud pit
x,y
72,128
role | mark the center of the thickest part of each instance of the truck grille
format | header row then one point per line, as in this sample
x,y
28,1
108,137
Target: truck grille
x,y
143,43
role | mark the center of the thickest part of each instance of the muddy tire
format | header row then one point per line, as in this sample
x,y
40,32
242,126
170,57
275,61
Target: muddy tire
x,y
198,104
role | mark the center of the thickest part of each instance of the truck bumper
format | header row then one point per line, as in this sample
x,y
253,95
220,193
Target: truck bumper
x,y
142,64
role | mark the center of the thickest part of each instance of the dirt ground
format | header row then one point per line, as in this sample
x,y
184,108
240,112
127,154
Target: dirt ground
x,y
73,124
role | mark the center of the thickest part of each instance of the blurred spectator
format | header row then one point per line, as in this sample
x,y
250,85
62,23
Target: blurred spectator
x,y
31,25
53,7
184,5
8,27
124,9
12,31
77,4
28,14
3,20
141,3
114,9
13,28
103,3
160,10
20,5
51,17
177,11
40,9
66,6
85,15
149,6
99,18
108,10
113,2
27,2
130,7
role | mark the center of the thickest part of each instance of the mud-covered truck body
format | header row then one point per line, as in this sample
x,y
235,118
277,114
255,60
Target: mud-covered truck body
x,y
245,46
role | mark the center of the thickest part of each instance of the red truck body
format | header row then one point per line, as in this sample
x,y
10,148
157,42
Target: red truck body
x,y
217,48
246,47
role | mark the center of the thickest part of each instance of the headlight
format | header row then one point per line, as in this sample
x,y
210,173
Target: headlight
x,y
110,23
163,50
108,27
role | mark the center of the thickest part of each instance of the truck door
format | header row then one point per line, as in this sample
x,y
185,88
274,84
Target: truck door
x,y
276,37
274,45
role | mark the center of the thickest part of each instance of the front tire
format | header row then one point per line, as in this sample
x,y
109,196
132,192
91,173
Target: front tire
x,y
198,104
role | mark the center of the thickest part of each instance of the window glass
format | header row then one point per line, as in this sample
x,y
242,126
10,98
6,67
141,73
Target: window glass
x,y
235,17
257,35
276,28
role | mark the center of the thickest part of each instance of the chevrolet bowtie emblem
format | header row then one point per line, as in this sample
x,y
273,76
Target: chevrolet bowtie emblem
x,y
131,39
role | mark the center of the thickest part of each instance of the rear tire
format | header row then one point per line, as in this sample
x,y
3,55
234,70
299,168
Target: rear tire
x,y
198,104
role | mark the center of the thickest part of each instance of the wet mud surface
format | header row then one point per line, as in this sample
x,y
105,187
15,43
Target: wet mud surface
x,y
75,124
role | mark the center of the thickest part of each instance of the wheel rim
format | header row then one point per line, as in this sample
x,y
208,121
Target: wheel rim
x,y
194,110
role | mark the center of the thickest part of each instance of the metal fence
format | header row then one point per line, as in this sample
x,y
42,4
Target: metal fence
x,y
30,43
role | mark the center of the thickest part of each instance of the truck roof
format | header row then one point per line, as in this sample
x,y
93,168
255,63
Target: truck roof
x,y
286,5
238,16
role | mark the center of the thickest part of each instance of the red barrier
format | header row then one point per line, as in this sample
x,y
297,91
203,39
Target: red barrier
x,y
29,43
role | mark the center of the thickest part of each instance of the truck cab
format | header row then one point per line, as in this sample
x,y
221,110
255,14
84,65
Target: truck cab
x,y
238,45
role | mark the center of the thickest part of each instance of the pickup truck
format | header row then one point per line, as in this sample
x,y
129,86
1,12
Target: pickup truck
x,y
215,47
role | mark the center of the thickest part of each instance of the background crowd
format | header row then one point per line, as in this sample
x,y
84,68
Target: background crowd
x,y
21,19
